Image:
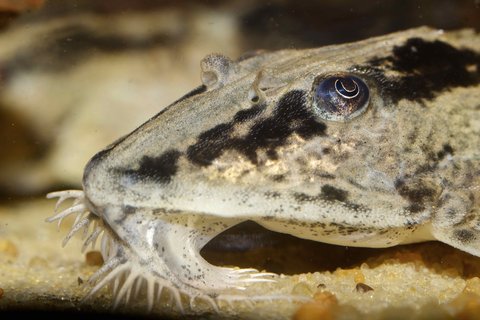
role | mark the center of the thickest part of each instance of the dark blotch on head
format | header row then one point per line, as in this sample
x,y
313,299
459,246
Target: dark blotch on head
x,y
301,197
248,114
433,159
331,193
417,195
210,144
415,207
293,110
160,169
129,209
426,68
291,115
464,235
447,149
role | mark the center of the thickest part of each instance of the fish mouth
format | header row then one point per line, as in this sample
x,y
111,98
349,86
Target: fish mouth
x,y
247,244
123,270
258,248
87,221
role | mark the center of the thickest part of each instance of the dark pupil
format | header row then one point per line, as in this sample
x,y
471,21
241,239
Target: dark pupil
x,y
347,88
339,97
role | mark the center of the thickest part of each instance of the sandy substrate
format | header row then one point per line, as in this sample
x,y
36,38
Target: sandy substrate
x,y
424,281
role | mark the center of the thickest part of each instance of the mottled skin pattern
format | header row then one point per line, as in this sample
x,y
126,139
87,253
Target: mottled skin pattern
x,y
250,145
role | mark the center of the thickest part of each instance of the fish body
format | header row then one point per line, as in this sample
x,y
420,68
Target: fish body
x,y
373,144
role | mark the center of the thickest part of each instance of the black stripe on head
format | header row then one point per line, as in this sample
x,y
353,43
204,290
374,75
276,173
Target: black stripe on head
x,y
211,144
426,68
159,169
291,115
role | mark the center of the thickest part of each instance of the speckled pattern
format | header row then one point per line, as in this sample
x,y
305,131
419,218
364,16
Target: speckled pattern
x,y
255,144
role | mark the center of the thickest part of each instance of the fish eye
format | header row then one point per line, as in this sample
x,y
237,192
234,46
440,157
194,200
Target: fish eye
x,y
339,97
